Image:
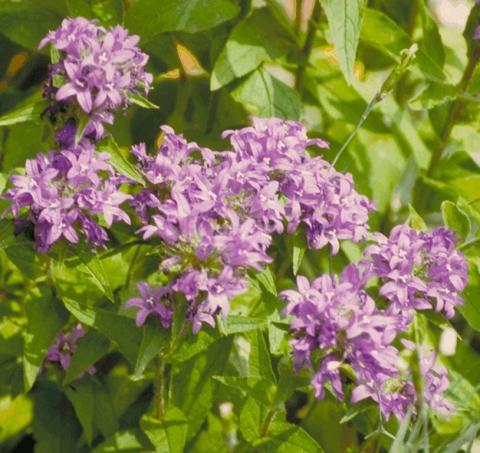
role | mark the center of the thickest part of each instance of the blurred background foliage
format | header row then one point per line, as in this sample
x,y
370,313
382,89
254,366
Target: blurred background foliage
x,y
215,63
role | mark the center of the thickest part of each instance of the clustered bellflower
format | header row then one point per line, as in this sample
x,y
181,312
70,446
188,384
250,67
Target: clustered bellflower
x,y
65,192
216,212
98,70
337,322
73,188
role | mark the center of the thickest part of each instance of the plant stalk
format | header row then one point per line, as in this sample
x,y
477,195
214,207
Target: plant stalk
x,y
453,112
159,389
307,47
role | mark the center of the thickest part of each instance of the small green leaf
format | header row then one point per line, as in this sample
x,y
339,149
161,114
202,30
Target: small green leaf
x,y
92,347
299,247
344,24
233,324
28,112
456,219
264,95
434,95
192,16
54,54
267,280
415,220
81,126
256,39
82,396
257,387
46,316
167,435
119,161
95,270
154,340
138,99
285,437
130,441
119,329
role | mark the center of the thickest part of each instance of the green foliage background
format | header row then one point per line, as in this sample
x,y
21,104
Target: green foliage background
x,y
216,62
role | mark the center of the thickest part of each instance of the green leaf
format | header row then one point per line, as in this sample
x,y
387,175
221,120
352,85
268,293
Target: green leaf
x,y
263,95
237,324
470,27
344,24
432,40
92,347
109,12
27,22
299,248
192,16
251,418
95,270
119,160
22,254
381,32
456,219
415,220
267,280
54,425
259,361
154,340
45,316
256,39
29,111
82,123
434,95
193,344
119,329
130,441
82,397
285,437
193,387
257,387
471,308
168,435
138,99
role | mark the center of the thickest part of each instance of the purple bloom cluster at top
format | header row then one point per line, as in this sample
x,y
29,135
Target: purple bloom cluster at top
x,y
63,191
339,319
98,68
65,346
216,211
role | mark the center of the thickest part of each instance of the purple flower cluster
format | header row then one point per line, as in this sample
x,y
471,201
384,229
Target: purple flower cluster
x,y
65,345
98,69
419,269
62,192
215,212
342,323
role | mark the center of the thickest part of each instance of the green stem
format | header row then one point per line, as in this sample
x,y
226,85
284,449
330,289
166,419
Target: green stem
x,y
298,16
266,423
131,267
159,388
307,47
376,99
453,112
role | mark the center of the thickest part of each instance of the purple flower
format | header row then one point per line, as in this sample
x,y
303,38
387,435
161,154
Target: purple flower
x,y
152,302
65,346
98,68
419,269
62,191
339,321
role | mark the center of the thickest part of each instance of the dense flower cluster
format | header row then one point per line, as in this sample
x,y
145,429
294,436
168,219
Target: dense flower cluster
x,y
418,269
62,192
64,347
216,211
98,69
340,321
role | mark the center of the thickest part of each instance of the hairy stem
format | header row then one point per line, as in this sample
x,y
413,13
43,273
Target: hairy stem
x,y
307,47
159,388
376,99
453,112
